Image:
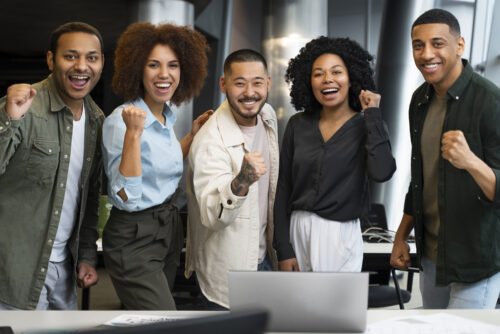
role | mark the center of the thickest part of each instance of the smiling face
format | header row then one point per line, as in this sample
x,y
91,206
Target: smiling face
x,y
161,76
246,87
437,54
330,81
76,66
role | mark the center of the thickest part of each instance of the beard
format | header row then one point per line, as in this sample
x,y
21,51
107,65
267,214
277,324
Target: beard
x,y
234,106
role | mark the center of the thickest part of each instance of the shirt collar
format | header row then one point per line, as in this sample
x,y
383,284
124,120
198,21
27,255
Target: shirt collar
x,y
231,133
57,103
150,118
457,89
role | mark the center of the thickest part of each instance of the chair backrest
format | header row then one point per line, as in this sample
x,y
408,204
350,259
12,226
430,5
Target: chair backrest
x,y
376,217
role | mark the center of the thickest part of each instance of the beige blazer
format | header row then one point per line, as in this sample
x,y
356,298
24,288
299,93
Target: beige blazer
x,y
223,229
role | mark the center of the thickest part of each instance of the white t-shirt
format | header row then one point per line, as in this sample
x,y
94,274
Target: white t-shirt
x,y
256,138
72,192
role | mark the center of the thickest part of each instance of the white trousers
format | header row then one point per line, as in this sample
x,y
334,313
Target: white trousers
x,y
326,245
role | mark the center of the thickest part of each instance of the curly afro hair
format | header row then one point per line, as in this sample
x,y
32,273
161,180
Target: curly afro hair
x,y
299,70
137,42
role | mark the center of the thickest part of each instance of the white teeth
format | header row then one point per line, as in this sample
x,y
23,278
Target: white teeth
x,y
249,102
163,85
431,65
331,90
78,77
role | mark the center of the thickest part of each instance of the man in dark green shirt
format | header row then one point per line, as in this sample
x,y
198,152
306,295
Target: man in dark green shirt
x,y
458,239
50,168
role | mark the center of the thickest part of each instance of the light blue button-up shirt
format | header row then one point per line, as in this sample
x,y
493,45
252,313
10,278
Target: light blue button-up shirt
x,y
161,159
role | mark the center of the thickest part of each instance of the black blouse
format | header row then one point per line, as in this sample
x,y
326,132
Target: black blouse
x,y
329,178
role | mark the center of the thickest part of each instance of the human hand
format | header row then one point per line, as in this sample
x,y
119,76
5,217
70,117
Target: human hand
x,y
86,275
199,121
19,99
134,118
400,256
369,99
455,149
252,168
288,265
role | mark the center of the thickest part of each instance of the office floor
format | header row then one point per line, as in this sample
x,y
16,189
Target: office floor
x,y
103,296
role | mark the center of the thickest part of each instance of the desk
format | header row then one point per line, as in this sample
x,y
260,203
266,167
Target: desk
x,y
384,248
377,257
25,320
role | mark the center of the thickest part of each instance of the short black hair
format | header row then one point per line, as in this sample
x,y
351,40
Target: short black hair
x,y
356,59
243,56
437,15
73,27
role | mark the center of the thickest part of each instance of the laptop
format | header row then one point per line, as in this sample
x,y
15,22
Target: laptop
x,y
303,301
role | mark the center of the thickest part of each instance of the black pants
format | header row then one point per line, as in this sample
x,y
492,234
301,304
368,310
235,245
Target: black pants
x,y
141,253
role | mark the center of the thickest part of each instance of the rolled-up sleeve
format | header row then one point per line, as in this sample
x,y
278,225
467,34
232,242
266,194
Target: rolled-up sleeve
x,y
112,147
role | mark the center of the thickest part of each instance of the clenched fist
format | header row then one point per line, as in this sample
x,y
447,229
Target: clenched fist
x,y
134,118
252,168
369,99
455,149
400,256
19,99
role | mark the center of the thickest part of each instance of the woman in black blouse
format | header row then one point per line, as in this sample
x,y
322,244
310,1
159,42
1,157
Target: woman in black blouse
x,y
330,151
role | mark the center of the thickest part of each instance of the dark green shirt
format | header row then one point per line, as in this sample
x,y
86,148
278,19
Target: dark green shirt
x,y
34,161
469,230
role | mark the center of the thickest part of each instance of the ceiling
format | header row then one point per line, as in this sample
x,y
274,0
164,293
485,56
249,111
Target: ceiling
x,y
25,25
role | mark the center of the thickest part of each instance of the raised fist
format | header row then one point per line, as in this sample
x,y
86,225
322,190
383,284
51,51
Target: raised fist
x,y
19,99
456,150
134,118
369,99
252,168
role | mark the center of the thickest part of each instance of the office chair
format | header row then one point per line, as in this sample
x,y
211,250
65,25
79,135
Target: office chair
x,y
385,295
374,227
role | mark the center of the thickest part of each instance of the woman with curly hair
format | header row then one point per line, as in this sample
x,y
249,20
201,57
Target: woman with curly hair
x,y
330,151
143,159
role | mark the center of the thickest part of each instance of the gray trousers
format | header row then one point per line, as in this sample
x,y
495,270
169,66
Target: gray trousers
x,y
141,253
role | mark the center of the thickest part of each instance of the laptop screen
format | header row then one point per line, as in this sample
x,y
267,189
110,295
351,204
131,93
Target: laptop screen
x,y
303,301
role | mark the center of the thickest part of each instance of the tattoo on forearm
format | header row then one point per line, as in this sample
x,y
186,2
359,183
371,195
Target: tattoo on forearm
x,y
237,188
244,179
248,174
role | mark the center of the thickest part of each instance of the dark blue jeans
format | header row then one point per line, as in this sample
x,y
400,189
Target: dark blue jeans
x,y
265,265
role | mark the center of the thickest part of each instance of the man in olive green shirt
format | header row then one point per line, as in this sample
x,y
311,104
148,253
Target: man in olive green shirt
x,y
50,168
453,201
